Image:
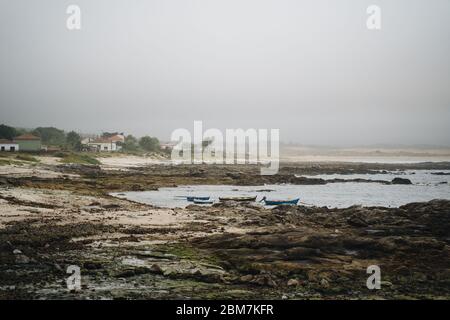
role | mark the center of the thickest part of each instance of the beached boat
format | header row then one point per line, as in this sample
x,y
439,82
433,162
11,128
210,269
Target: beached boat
x,y
280,202
242,199
203,201
193,198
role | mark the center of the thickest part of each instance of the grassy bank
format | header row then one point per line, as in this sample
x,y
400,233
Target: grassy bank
x,y
26,157
79,158
9,158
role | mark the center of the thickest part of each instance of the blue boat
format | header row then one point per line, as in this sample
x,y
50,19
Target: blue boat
x,y
279,202
192,199
203,201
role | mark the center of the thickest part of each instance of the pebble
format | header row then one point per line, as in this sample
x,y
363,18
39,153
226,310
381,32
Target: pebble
x,y
22,259
293,283
324,283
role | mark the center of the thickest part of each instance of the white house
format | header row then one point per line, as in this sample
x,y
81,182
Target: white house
x,y
168,145
8,145
105,144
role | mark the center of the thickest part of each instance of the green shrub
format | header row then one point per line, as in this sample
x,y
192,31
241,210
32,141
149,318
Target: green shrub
x,y
79,159
60,154
25,157
4,162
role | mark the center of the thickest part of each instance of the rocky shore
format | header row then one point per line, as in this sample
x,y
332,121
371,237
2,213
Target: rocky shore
x,y
128,250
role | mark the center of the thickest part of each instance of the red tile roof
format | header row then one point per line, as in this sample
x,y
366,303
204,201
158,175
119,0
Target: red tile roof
x,y
117,138
101,140
108,140
5,141
27,136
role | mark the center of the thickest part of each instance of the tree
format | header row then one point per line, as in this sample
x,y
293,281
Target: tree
x,y
111,134
149,143
51,135
130,144
7,132
73,141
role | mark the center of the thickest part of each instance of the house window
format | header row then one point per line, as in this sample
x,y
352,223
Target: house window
x,y
3,148
105,148
12,149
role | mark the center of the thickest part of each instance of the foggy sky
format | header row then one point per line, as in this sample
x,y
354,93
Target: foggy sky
x,y
310,68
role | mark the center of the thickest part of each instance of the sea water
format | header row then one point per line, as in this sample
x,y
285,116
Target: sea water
x,y
425,186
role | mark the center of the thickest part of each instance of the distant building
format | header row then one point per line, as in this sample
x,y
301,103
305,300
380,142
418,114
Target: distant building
x,y
28,142
105,144
167,145
8,145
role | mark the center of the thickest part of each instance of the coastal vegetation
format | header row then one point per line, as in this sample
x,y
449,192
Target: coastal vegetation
x,y
78,158
26,157
55,138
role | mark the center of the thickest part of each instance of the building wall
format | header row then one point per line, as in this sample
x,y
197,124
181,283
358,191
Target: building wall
x,y
105,147
29,145
7,146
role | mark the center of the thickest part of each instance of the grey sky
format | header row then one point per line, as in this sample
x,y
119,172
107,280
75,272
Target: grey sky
x,y
310,68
